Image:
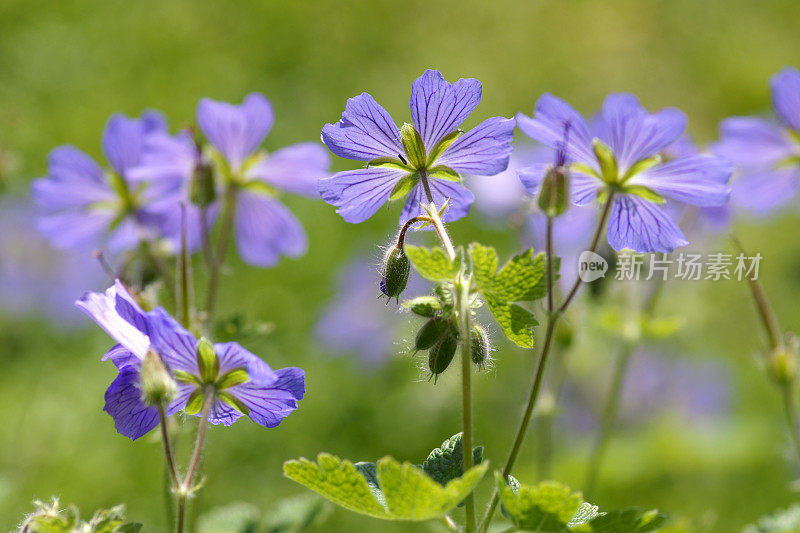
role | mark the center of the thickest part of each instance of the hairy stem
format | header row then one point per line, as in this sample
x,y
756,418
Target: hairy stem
x,y
226,228
185,488
536,385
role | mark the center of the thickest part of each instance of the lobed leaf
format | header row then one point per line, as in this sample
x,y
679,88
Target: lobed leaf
x,y
447,462
516,322
546,507
630,520
389,489
431,263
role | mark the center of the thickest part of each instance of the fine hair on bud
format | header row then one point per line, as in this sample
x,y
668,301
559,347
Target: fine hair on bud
x,y
394,272
157,385
479,346
441,354
444,292
430,333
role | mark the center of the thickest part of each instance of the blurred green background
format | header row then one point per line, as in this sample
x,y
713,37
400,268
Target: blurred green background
x,y
66,66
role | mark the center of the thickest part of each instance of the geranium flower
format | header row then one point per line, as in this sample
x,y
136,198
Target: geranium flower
x,y
766,152
422,159
87,207
238,382
618,157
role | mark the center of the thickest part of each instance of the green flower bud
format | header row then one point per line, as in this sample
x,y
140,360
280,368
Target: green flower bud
x,y
430,333
396,268
158,387
782,364
441,354
479,345
203,191
554,192
427,306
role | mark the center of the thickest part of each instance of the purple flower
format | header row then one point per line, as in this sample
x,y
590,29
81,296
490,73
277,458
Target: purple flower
x,y
619,155
431,151
356,322
766,153
86,207
34,277
265,229
241,383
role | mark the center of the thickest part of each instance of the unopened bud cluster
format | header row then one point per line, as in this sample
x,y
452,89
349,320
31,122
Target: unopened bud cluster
x,y
440,335
157,385
395,271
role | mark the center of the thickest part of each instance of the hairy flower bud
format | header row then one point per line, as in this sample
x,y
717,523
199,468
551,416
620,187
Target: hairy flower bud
x,y
203,192
396,269
158,387
441,354
427,306
554,192
782,364
479,345
430,333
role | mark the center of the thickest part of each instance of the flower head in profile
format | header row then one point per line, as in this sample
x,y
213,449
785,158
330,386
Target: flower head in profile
x,y
618,159
766,152
422,161
86,207
224,380
264,227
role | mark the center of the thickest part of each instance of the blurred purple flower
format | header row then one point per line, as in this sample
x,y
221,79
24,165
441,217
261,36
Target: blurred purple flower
x,y
357,322
619,153
87,208
265,395
265,229
655,384
766,153
35,278
366,132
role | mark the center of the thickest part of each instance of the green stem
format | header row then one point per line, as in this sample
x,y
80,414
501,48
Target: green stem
x,y
792,420
609,416
185,488
463,288
226,228
611,406
183,275
536,385
171,479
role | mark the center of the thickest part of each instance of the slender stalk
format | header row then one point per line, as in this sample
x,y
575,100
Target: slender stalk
x,y
185,487
170,457
450,524
611,407
161,267
765,312
466,393
609,416
537,380
226,227
183,276
792,420
462,288
205,235
549,255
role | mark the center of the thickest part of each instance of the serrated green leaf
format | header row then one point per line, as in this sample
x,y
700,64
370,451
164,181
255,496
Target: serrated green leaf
x,y
585,513
412,495
522,278
408,492
516,322
447,462
484,263
784,521
630,520
547,507
338,481
431,263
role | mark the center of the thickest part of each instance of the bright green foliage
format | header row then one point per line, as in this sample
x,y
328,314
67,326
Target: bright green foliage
x,y
408,493
49,518
553,508
522,279
447,462
431,263
785,521
627,521
546,507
